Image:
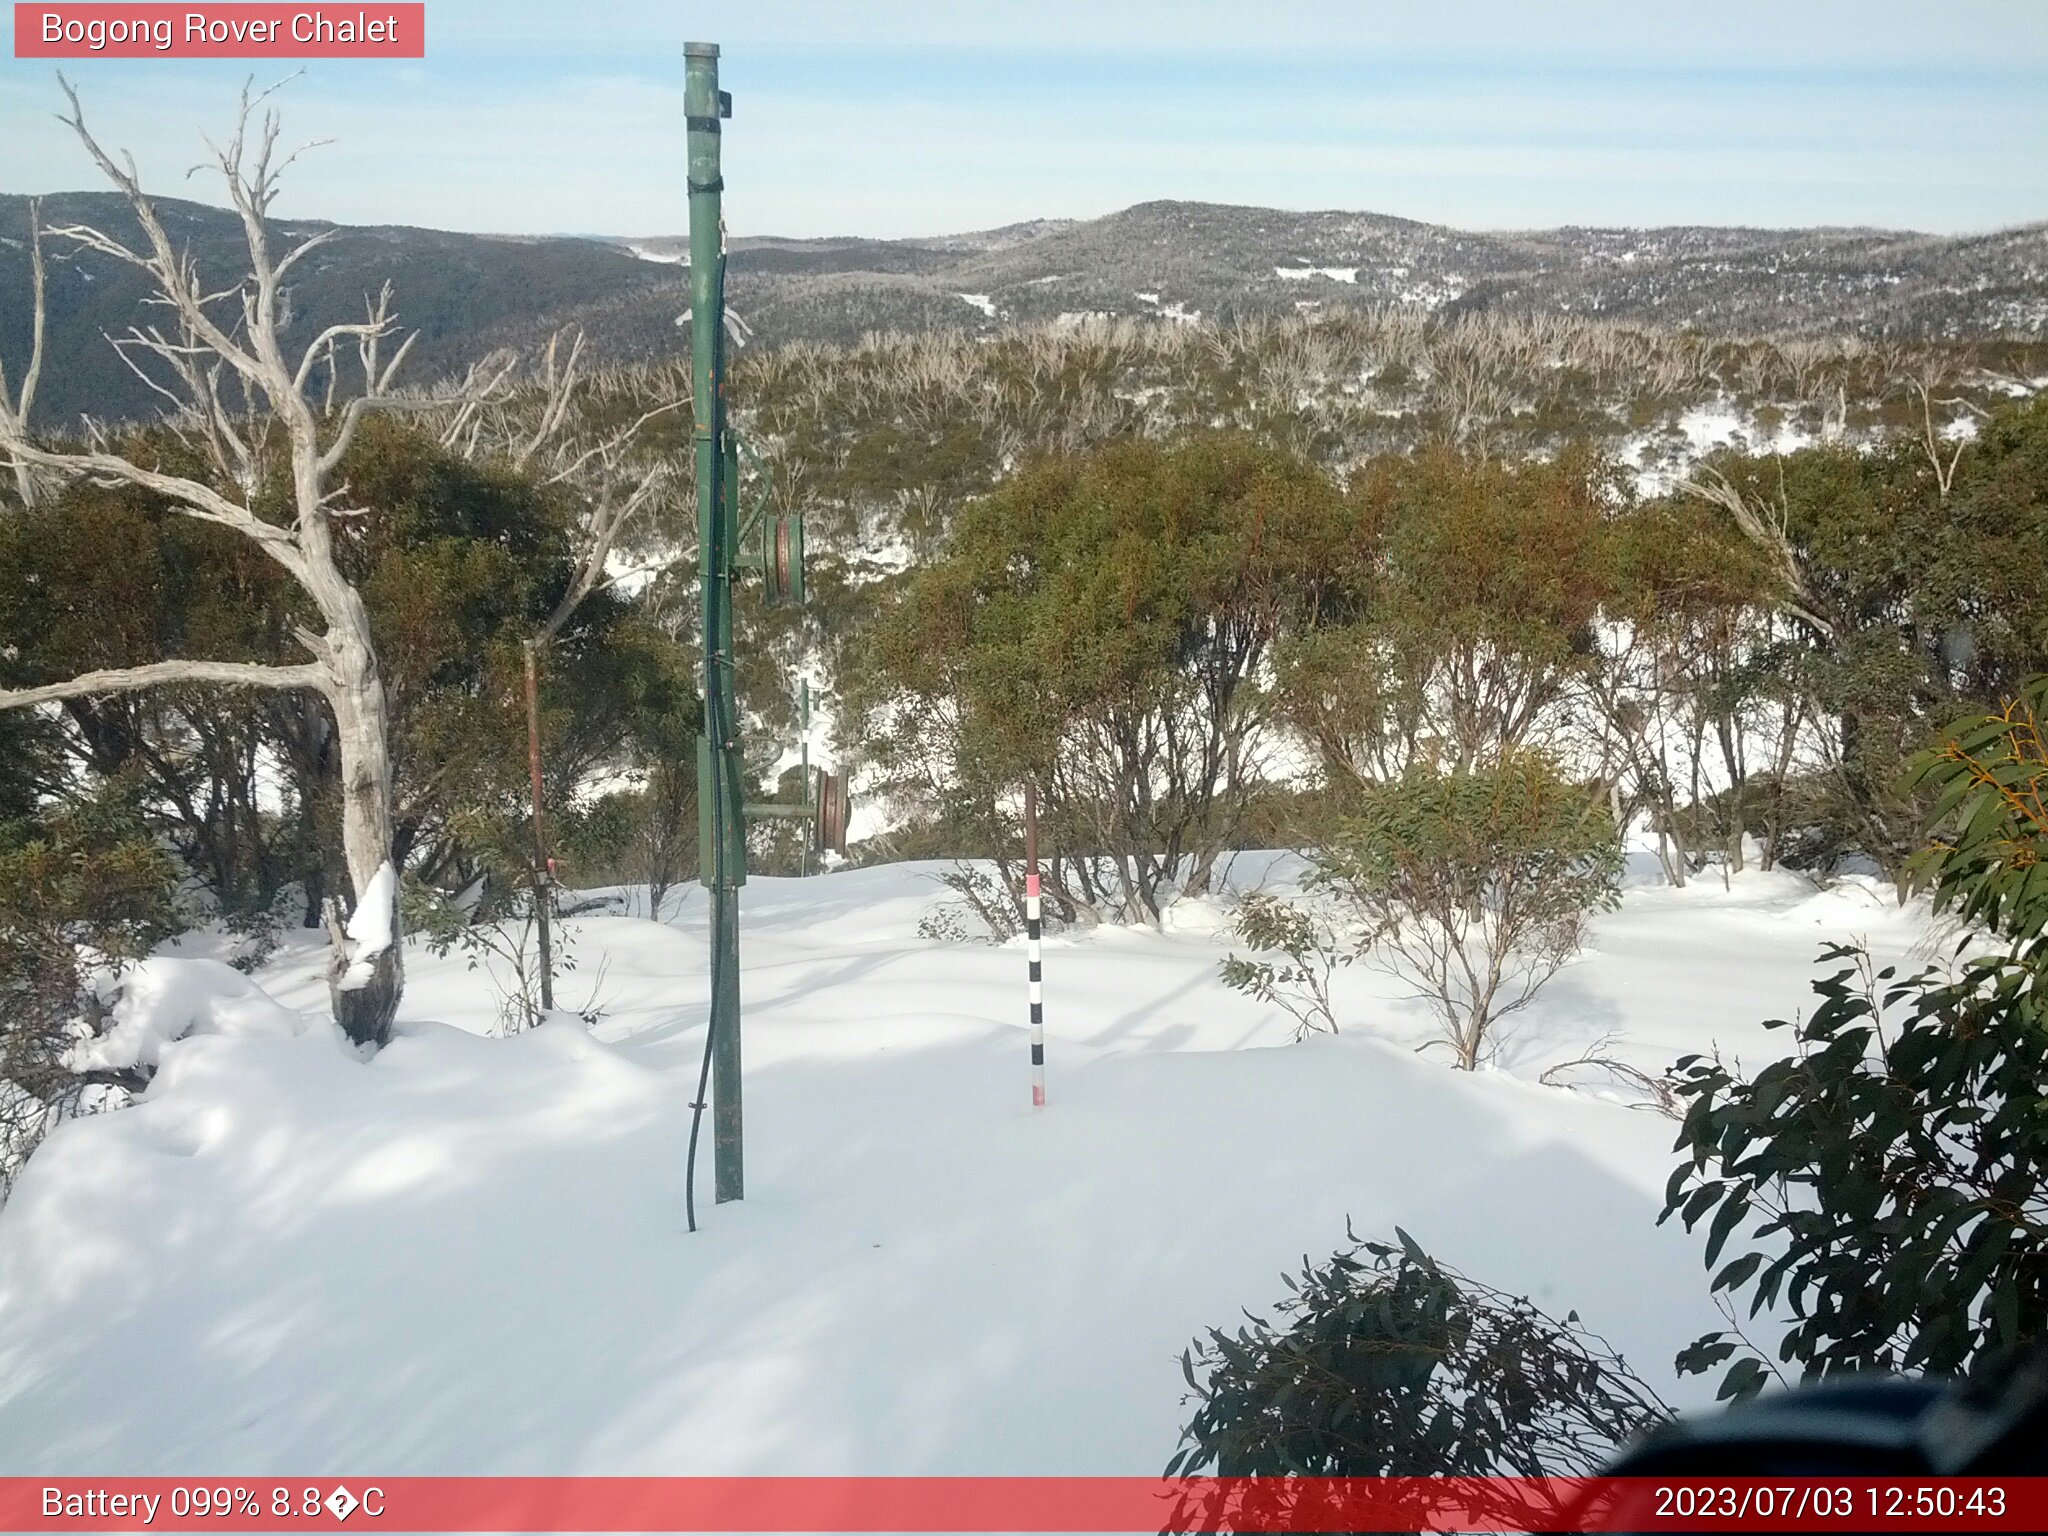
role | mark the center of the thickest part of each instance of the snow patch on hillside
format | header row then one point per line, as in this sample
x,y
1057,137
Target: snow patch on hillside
x,y
1662,456
1432,294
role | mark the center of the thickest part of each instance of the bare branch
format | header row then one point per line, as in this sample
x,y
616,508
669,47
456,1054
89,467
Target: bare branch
x,y
176,276
39,279
1764,527
238,674
194,499
381,385
606,525
322,346
151,343
480,386
609,448
1930,439
560,387
14,413
352,415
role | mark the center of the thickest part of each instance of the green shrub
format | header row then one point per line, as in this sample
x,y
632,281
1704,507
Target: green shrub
x,y
79,883
1474,888
1385,1363
1898,1161
1310,951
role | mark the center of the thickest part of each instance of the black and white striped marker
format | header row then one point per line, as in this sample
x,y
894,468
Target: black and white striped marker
x,y
1032,932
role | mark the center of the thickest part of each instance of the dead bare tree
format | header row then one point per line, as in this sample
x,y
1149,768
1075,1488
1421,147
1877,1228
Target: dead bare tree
x,y
535,427
1944,452
1765,524
221,358
1468,388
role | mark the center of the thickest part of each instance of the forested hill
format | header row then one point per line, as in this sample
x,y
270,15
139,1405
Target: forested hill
x,y
1182,259
463,293
469,293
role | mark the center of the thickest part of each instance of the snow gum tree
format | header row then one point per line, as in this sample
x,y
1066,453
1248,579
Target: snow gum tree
x,y
80,883
1101,625
1914,580
1470,592
459,565
264,419
1887,1181
1688,690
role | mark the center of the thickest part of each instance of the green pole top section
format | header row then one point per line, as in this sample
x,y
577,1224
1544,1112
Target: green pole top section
x,y
703,102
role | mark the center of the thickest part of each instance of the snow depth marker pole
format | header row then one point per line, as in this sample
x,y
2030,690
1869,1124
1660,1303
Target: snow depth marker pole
x,y
1033,931
543,866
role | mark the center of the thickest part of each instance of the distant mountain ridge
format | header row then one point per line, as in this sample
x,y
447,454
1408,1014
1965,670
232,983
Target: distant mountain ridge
x,y
1180,260
1217,260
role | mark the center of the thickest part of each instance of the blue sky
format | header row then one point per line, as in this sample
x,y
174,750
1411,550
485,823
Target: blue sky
x,y
895,117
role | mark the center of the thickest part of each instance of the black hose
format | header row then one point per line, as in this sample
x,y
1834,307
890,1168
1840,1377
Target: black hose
x,y
703,1095
715,724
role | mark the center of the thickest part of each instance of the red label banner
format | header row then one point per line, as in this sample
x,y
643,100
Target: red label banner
x,y
1005,1504
116,31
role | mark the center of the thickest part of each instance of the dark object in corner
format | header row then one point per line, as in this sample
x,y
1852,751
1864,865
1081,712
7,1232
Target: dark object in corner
x,y
1994,1424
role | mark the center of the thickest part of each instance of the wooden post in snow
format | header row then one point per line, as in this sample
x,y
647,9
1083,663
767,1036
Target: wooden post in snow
x,y
543,870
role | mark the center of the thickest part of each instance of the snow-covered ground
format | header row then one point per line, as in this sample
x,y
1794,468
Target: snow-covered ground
x,y
1661,457
468,1255
679,255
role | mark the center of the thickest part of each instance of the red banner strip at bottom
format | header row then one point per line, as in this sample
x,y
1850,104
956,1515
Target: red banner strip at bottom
x,y
1006,1504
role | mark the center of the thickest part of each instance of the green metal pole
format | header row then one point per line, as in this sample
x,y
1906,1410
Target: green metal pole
x,y
721,850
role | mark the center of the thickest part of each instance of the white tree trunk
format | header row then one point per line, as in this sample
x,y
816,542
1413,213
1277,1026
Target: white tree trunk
x,y
364,1009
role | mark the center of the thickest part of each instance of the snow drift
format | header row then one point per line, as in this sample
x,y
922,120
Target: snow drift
x,y
467,1255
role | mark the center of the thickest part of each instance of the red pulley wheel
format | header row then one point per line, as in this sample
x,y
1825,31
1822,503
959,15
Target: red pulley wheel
x,y
782,578
832,809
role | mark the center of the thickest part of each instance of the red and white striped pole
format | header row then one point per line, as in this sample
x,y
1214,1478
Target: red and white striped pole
x,y
1032,934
